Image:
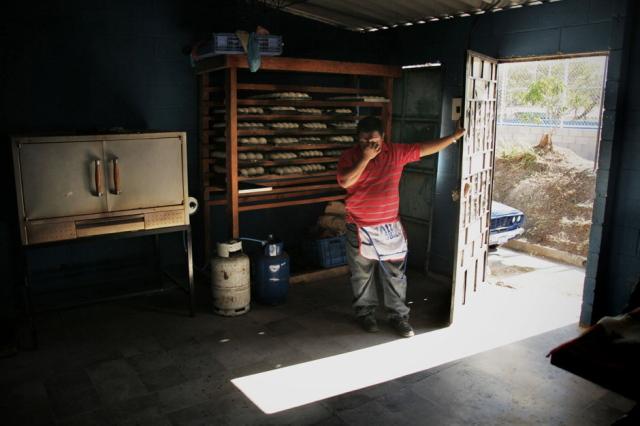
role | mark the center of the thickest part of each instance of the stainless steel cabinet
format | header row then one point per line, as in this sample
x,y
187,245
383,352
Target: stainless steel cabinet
x,y
75,186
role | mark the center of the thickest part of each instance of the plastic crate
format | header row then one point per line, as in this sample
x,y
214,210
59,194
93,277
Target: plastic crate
x,y
229,44
327,252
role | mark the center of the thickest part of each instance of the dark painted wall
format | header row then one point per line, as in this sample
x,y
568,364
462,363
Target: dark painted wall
x,y
85,66
566,27
619,260
89,65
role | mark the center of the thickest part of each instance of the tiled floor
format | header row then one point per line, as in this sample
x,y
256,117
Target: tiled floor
x,y
143,362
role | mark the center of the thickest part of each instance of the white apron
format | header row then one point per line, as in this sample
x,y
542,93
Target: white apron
x,y
385,242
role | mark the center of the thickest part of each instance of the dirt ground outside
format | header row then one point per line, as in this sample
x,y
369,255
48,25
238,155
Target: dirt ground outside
x,y
554,188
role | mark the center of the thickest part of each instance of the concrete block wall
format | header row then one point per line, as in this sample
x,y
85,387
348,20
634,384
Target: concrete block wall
x,y
89,66
620,264
82,67
583,142
565,27
94,65
547,29
78,66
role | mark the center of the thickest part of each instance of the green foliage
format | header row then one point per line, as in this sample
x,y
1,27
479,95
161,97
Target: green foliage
x,y
543,89
585,89
524,157
546,92
556,89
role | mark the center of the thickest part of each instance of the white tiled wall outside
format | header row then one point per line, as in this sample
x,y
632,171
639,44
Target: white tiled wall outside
x,y
581,141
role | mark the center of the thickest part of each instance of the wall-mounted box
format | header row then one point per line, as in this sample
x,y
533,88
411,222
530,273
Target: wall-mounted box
x,y
456,109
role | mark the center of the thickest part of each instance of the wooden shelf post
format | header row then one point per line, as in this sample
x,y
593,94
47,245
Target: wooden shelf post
x,y
387,108
231,92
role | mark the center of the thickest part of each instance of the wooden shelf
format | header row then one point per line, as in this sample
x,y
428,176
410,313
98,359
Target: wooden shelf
x,y
213,188
333,186
292,199
273,163
271,177
288,180
230,93
278,63
301,188
288,132
295,177
272,197
297,132
262,87
291,117
292,161
287,162
290,203
301,103
294,147
311,89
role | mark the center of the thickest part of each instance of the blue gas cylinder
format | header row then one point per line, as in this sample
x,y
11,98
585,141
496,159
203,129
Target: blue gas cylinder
x,y
271,273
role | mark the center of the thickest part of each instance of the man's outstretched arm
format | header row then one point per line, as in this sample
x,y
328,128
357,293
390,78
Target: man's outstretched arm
x,y
437,145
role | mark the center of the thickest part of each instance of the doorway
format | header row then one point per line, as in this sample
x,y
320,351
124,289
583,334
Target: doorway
x,y
547,134
547,127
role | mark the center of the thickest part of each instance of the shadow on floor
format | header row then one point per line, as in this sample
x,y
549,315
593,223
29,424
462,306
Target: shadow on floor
x,y
143,361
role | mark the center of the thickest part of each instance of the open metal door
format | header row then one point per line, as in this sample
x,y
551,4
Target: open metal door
x,y
417,104
476,178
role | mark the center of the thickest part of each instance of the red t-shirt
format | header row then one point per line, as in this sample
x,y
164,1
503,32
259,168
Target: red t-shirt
x,y
375,198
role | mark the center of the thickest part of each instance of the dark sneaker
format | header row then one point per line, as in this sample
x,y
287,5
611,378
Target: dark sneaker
x,y
402,327
368,323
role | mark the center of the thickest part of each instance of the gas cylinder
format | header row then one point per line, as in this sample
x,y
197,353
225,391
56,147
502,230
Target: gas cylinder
x,y
271,273
230,280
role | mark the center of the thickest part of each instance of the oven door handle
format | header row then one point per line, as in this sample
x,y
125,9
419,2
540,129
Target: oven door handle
x,y
116,176
98,178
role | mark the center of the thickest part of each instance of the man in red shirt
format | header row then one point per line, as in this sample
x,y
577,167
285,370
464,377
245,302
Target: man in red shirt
x,y
371,172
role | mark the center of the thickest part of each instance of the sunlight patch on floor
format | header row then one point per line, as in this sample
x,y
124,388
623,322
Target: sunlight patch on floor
x,y
495,317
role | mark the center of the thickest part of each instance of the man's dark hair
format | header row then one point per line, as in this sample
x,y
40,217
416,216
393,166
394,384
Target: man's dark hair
x,y
370,124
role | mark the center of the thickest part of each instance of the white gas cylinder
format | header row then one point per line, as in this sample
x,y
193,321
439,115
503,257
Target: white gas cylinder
x,y
230,280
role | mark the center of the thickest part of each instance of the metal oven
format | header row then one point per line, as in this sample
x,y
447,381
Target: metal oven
x,y
71,187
